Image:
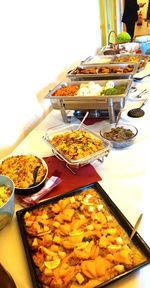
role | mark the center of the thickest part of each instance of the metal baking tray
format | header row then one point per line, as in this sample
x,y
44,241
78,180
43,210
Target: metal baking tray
x,y
72,75
127,58
113,210
50,133
105,59
127,82
97,59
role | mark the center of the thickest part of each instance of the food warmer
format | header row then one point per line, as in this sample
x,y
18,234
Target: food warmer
x,y
111,103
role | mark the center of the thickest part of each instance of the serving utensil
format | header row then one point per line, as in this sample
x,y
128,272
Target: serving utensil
x,y
137,112
35,173
135,227
138,78
118,118
141,93
87,113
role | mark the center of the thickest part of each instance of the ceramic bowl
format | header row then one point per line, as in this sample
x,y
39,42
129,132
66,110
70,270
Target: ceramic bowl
x,y
21,168
7,206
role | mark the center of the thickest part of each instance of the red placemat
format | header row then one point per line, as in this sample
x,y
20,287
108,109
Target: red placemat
x,y
84,176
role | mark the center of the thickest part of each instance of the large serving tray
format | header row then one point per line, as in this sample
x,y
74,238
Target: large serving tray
x,y
126,58
72,75
127,82
50,133
114,210
97,59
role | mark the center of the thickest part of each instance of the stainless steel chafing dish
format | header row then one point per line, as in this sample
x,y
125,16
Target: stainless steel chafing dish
x,y
103,71
97,59
126,58
89,102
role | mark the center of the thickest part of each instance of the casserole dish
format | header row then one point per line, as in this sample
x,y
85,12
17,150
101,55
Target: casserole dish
x,y
80,140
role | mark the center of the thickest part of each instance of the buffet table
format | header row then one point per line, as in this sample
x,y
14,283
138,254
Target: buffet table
x,y
125,179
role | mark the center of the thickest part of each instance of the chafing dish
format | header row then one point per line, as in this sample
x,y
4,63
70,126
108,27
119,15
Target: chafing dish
x,y
117,82
89,102
97,59
103,71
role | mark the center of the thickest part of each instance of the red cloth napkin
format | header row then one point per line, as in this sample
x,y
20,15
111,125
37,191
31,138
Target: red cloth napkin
x,y
84,176
90,121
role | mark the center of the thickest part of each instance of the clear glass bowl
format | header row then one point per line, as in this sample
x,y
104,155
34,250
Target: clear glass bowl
x,y
119,144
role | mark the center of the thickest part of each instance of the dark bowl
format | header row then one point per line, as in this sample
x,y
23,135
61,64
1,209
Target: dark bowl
x,y
30,189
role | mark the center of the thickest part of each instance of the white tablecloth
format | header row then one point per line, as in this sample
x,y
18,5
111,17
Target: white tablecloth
x,y
125,178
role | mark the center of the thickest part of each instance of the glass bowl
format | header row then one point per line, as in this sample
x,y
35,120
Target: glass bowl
x,y
83,160
118,140
7,204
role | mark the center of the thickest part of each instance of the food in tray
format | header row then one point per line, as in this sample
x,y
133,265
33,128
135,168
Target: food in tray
x,y
104,70
21,168
5,193
99,60
140,59
77,242
126,58
121,136
77,144
67,90
118,134
91,89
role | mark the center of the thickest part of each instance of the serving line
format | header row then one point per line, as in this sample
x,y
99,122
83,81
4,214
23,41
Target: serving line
x,y
125,179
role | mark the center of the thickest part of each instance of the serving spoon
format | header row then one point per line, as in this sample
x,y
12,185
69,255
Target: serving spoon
x,y
137,112
87,113
35,173
118,118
